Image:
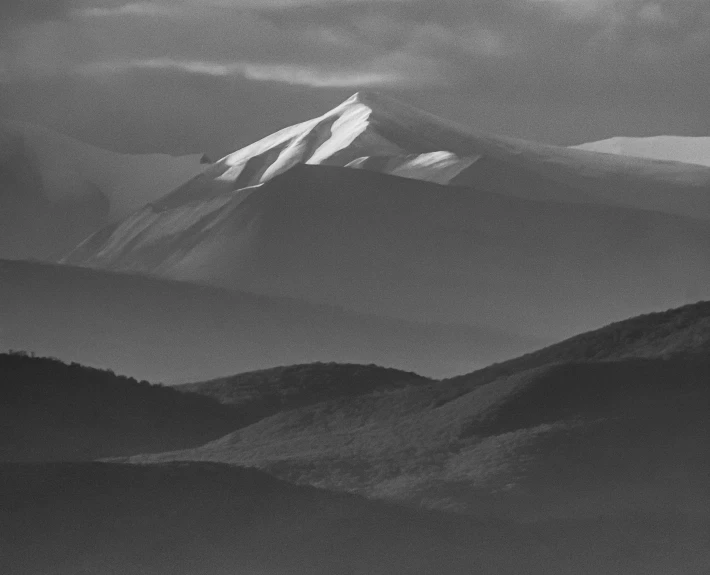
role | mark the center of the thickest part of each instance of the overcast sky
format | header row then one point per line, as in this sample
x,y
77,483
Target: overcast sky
x,y
212,75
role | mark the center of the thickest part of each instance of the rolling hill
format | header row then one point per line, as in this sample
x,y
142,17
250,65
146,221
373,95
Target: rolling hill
x,y
405,248
561,437
55,191
264,392
176,332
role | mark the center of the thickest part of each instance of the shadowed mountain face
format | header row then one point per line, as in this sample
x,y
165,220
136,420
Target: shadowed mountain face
x,y
397,247
559,437
56,191
176,332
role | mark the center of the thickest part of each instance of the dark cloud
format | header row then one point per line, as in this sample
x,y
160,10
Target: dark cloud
x,y
16,11
549,69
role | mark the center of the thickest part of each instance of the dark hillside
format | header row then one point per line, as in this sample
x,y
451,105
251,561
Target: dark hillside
x,y
207,519
561,440
50,410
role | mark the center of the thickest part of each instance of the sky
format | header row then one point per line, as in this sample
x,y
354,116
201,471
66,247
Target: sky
x,y
210,76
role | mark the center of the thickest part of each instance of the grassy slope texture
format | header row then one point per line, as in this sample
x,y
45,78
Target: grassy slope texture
x,y
258,394
557,434
53,411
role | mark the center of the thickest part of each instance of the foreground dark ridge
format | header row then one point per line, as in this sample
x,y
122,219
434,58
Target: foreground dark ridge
x,y
183,519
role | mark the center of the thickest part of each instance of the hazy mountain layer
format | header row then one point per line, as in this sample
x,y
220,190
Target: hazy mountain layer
x,y
55,191
669,148
171,331
374,132
398,247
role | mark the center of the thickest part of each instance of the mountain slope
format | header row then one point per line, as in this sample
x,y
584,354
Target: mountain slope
x,y
417,250
552,439
55,191
668,148
52,411
172,331
374,132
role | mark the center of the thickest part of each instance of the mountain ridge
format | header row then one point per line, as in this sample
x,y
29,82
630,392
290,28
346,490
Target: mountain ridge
x,y
534,441
469,255
373,131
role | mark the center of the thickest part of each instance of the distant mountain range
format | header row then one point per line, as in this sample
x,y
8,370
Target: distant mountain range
x,y
168,331
666,148
382,210
55,191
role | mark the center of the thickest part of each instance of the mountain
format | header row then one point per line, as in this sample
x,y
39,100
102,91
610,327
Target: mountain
x,y
669,148
405,248
172,331
52,411
182,519
55,191
375,132
561,438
